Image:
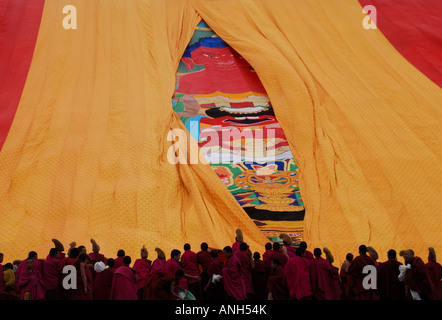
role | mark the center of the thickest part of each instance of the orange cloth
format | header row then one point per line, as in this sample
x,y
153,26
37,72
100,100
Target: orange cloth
x,y
86,155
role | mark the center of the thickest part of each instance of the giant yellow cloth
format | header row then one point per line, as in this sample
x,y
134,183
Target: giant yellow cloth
x,y
86,154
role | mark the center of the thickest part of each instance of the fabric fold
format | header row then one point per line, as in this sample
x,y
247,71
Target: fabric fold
x,y
86,156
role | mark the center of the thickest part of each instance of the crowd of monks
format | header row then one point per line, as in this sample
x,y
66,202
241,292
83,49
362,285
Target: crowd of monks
x,y
282,272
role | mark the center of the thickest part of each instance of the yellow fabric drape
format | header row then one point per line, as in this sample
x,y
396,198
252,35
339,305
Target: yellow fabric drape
x,y
86,156
363,124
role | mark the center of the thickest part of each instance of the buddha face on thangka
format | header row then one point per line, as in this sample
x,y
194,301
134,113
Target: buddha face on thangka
x,y
224,106
227,94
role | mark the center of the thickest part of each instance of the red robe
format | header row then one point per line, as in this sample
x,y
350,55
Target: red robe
x,y
233,280
97,257
190,265
51,272
356,278
143,268
216,290
215,267
172,266
204,259
22,267
90,283
275,255
103,284
291,251
297,273
31,282
78,293
259,280
336,282
266,254
235,246
417,278
159,286
321,276
308,255
66,294
277,284
435,275
118,262
389,286
2,281
158,264
246,271
124,284
345,283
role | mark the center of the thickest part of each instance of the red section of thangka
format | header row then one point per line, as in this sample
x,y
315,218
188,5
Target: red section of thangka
x,y
413,28
19,25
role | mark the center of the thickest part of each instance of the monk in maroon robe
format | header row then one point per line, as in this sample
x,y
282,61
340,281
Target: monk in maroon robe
x,y
95,255
70,260
238,240
51,274
357,276
203,258
259,277
2,281
344,276
164,286
389,287
232,276
267,252
245,257
287,243
173,264
335,274
119,260
277,284
297,274
416,278
307,254
142,267
321,277
214,287
124,282
103,281
434,270
191,267
159,262
31,283
89,275
23,267
84,277
276,253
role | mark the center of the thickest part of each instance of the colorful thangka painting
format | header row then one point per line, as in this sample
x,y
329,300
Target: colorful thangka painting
x,y
225,107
